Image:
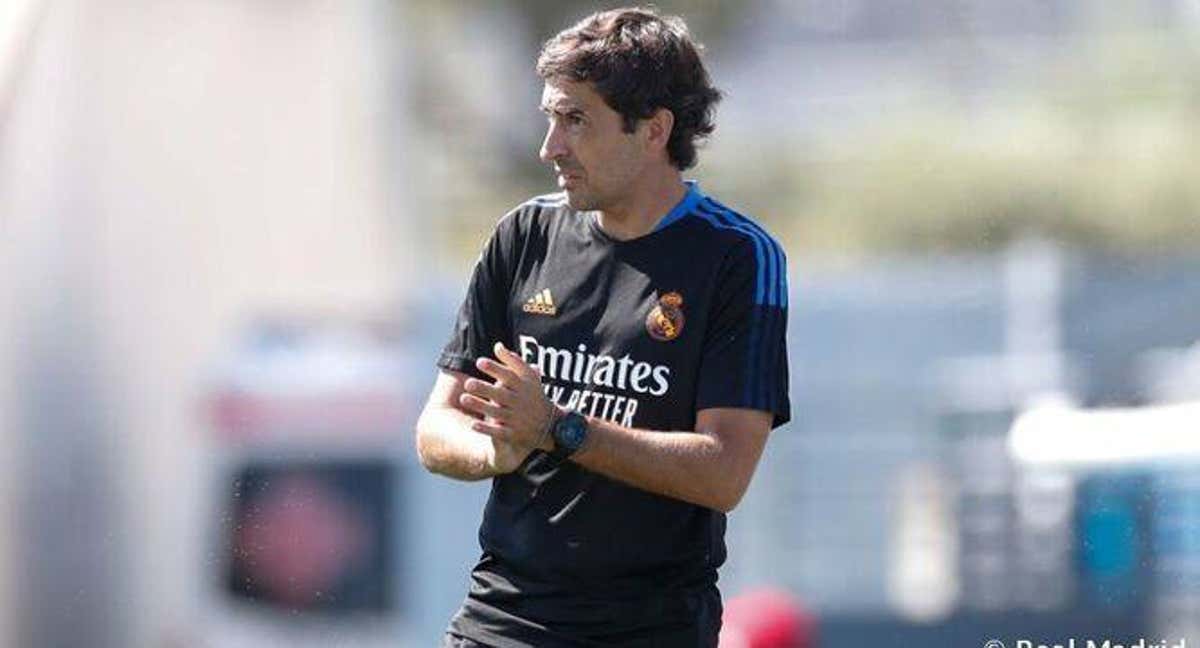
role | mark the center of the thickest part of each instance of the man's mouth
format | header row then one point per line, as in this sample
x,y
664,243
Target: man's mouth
x,y
567,177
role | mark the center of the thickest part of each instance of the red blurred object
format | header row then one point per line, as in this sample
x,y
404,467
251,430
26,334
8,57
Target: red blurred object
x,y
767,618
299,538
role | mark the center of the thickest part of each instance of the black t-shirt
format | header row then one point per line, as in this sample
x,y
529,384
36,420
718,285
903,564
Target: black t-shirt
x,y
646,333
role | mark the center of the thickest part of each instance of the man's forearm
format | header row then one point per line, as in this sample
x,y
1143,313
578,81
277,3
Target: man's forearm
x,y
711,466
446,445
689,466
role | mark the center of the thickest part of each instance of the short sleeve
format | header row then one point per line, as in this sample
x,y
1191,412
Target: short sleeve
x,y
744,362
483,316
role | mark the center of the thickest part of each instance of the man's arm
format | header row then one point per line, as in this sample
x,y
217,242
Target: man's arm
x,y
710,466
447,445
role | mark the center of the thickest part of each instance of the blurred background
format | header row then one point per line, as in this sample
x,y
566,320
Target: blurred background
x,y
233,235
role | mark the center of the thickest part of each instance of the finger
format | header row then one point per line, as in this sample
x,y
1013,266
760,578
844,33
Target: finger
x,y
487,391
496,370
480,406
494,430
513,361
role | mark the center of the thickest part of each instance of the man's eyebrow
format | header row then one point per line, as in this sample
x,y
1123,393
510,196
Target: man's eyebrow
x,y
566,110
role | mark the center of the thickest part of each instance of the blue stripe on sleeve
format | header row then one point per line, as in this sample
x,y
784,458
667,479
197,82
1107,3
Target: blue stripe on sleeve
x,y
762,247
771,298
707,213
777,287
773,287
752,357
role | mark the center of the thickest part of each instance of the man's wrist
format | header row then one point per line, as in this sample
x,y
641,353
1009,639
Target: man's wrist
x,y
589,438
569,434
545,441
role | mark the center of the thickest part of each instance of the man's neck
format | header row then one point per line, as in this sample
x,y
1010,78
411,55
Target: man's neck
x,y
644,208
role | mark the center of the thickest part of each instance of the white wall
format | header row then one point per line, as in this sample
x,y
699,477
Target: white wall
x,y
170,168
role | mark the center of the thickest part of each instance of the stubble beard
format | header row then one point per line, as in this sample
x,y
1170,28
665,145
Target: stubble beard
x,y
580,201
587,198
583,199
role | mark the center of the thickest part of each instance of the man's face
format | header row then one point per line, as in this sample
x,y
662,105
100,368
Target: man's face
x,y
597,162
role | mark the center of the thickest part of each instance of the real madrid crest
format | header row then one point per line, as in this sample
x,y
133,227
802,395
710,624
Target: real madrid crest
x,y
665,321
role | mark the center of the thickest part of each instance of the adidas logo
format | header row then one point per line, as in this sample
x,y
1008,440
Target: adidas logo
x,y
541,304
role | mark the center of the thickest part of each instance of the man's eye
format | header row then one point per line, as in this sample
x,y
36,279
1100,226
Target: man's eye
x,y
575,120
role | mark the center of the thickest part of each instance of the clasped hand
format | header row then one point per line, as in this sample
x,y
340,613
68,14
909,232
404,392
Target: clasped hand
x,y
515,409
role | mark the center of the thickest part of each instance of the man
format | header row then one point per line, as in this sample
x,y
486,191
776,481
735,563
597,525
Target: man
x,y
616,365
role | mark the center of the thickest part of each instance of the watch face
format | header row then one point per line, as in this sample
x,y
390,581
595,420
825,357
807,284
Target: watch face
x,y
571,431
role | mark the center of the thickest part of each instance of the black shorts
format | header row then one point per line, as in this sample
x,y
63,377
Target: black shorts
x,y
699,630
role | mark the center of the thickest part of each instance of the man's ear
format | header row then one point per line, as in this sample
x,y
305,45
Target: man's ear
x,y
658,128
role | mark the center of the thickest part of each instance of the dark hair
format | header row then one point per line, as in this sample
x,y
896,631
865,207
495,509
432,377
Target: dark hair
x,y
639,61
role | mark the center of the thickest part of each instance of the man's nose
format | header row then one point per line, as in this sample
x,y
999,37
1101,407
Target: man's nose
x,y
553,146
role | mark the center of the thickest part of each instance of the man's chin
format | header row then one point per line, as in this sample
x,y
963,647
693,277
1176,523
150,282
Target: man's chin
x,y
578,200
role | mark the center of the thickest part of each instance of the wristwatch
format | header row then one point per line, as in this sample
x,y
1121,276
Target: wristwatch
x,y
569,432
